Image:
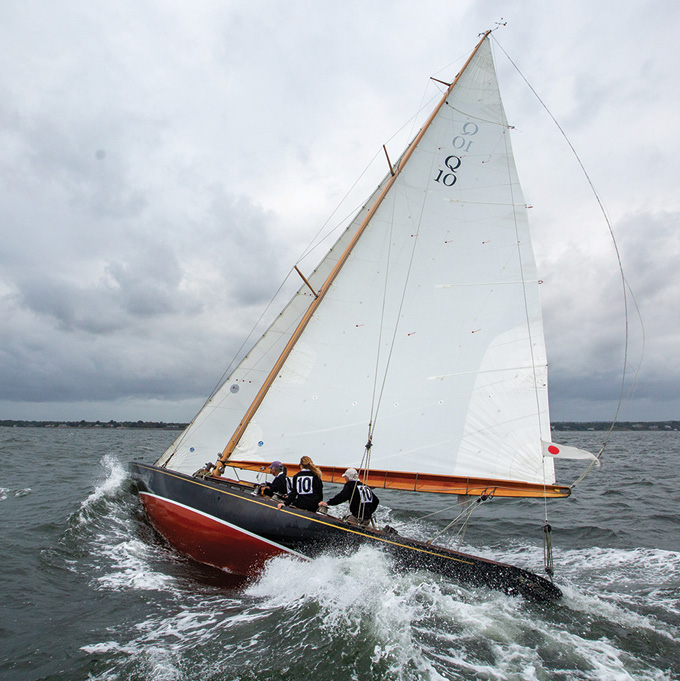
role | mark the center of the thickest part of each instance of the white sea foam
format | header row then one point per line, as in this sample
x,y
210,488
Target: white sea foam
x,y
116,474
128,567
6,493
105,524
424,627
399,626
104,647
362,593
158,664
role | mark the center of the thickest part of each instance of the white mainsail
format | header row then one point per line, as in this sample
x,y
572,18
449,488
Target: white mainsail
x,y
430,334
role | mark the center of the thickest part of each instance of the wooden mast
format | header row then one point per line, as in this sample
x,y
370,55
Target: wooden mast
x,y
259,398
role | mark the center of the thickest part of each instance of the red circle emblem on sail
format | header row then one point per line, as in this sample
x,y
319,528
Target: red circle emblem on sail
x,y
554,450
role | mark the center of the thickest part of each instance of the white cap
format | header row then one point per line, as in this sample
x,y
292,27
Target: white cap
x,y
351,474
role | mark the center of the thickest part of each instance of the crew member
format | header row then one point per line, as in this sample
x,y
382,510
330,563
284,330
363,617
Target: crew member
x,y
362,499
280,485
307,489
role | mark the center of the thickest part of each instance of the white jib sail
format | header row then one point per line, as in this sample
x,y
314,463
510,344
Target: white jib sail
x,y
432,328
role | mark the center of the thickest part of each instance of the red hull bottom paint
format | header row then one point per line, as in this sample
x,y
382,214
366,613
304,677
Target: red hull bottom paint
x,y
207,539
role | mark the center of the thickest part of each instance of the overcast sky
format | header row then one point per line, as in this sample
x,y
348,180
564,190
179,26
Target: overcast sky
x,y
164,164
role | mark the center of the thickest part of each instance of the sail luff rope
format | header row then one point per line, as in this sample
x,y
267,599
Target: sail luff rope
x,y
399,311
374,400
624,283
366,458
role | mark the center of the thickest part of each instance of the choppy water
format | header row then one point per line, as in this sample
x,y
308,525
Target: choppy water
x,y
88,591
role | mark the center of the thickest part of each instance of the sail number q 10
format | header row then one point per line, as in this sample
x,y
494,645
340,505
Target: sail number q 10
x,y
461,143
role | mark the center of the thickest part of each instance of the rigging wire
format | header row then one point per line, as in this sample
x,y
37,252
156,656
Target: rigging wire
x,y
626,289
463,517
227,372
398,316
314,244
547,547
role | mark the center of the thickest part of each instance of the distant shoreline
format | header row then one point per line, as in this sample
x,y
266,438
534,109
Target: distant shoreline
x,y
161,425
148,425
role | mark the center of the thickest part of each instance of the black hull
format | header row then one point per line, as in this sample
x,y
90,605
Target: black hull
x,y
225,524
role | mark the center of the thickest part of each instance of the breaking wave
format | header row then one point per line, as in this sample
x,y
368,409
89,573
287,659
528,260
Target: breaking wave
x,y
356,617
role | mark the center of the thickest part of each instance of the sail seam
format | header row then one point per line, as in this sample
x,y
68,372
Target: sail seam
x,y
479,118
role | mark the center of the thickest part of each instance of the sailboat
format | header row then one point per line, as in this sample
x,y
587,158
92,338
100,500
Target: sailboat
x,y
414,352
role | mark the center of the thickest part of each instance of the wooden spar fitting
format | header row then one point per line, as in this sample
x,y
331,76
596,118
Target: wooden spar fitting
x,y
309,286
302,325
389,163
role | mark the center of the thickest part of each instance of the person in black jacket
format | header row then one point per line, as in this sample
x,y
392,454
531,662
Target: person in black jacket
x,y
362,499
307,487
280,485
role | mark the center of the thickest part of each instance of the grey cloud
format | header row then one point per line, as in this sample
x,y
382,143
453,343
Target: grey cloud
x,y
158,163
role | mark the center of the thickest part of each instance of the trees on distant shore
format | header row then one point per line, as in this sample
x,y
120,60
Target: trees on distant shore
x,y
11,423
560,425
620,425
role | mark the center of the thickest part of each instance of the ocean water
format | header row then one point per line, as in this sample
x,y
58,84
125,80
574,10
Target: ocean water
x,y
89,591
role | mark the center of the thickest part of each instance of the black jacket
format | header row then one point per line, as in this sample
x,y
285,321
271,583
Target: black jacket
x,y
362,499
279,485
307,491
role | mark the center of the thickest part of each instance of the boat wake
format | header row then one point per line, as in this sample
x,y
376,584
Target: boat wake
x,y
357,616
